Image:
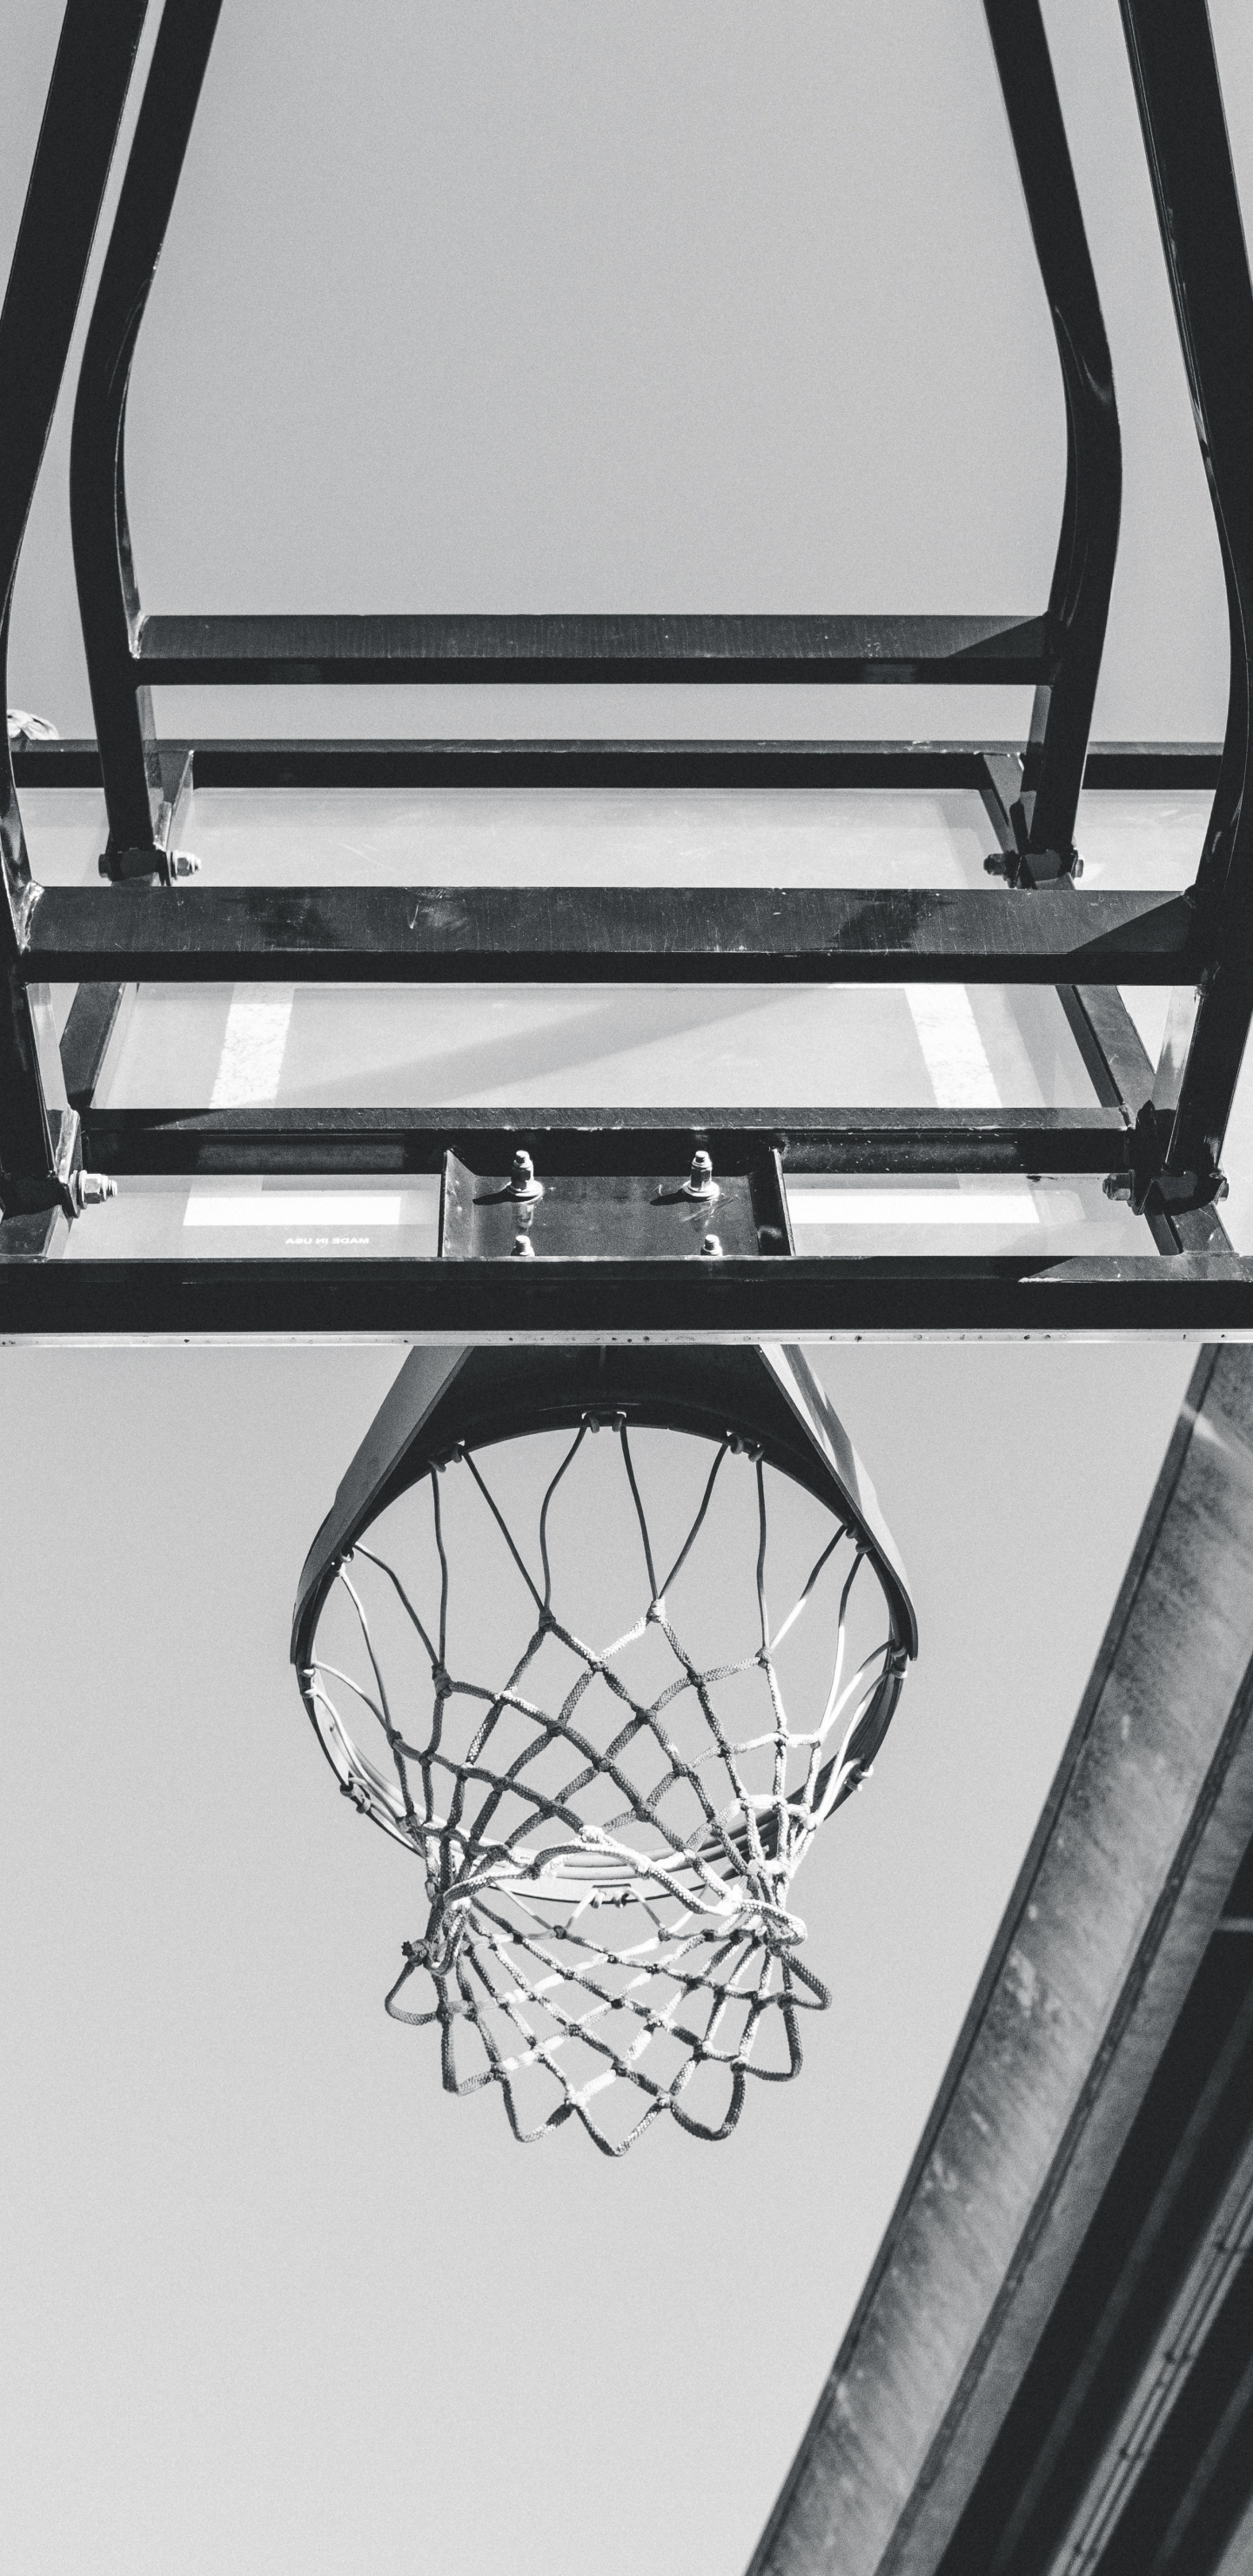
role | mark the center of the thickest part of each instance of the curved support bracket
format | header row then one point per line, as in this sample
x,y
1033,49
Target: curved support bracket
x,y
90,79
1171,47
139,801
1043,820
1039,821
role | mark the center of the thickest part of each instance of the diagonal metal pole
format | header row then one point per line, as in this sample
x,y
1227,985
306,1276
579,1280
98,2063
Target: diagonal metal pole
x,y
1044,820
1171,48
138,800
90,78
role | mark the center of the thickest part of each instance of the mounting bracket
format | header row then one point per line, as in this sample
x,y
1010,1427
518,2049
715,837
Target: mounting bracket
x,y
1147,1187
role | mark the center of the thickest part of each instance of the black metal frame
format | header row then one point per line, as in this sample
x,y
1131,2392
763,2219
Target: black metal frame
x,y
1156,1137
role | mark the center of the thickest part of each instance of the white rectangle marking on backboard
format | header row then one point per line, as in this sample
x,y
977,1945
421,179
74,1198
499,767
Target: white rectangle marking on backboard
x,y
251,1066
300,1207
835,1206
953,1051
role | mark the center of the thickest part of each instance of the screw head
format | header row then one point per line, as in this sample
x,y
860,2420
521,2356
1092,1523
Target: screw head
x,y
523,1248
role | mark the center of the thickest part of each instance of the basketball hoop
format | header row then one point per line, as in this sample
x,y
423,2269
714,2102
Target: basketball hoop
x,y
608,1831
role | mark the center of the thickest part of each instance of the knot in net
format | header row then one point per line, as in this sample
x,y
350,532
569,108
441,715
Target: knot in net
x,y
609,1832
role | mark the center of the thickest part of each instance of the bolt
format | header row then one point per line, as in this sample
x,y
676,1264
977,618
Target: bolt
x,y
1076,867
522,1180
182,864
90,1188
712,1247
523,1248
700,1183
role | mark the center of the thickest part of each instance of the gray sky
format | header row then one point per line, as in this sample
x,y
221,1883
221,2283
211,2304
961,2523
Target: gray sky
x,y
531,306
274,2303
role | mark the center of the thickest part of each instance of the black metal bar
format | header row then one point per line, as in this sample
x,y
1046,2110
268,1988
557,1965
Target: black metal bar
x,y
1158,765
107,592
475,1300
95,1013
1084,572
603,1141
90,77
1121,1074
37,1237
632,934
1195,1230
352,763
76,764
367,651
1001,790
1110,1044
1095,1061
28,1144
1171,49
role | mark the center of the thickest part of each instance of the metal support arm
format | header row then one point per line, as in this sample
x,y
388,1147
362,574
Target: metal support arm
x,y
39,1152
1044,819
139,800
1171,47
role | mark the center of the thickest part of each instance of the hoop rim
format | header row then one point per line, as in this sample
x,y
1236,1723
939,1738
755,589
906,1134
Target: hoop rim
x,y
446,1400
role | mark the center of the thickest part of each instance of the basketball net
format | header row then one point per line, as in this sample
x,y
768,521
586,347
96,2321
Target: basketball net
x,y
609,1934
